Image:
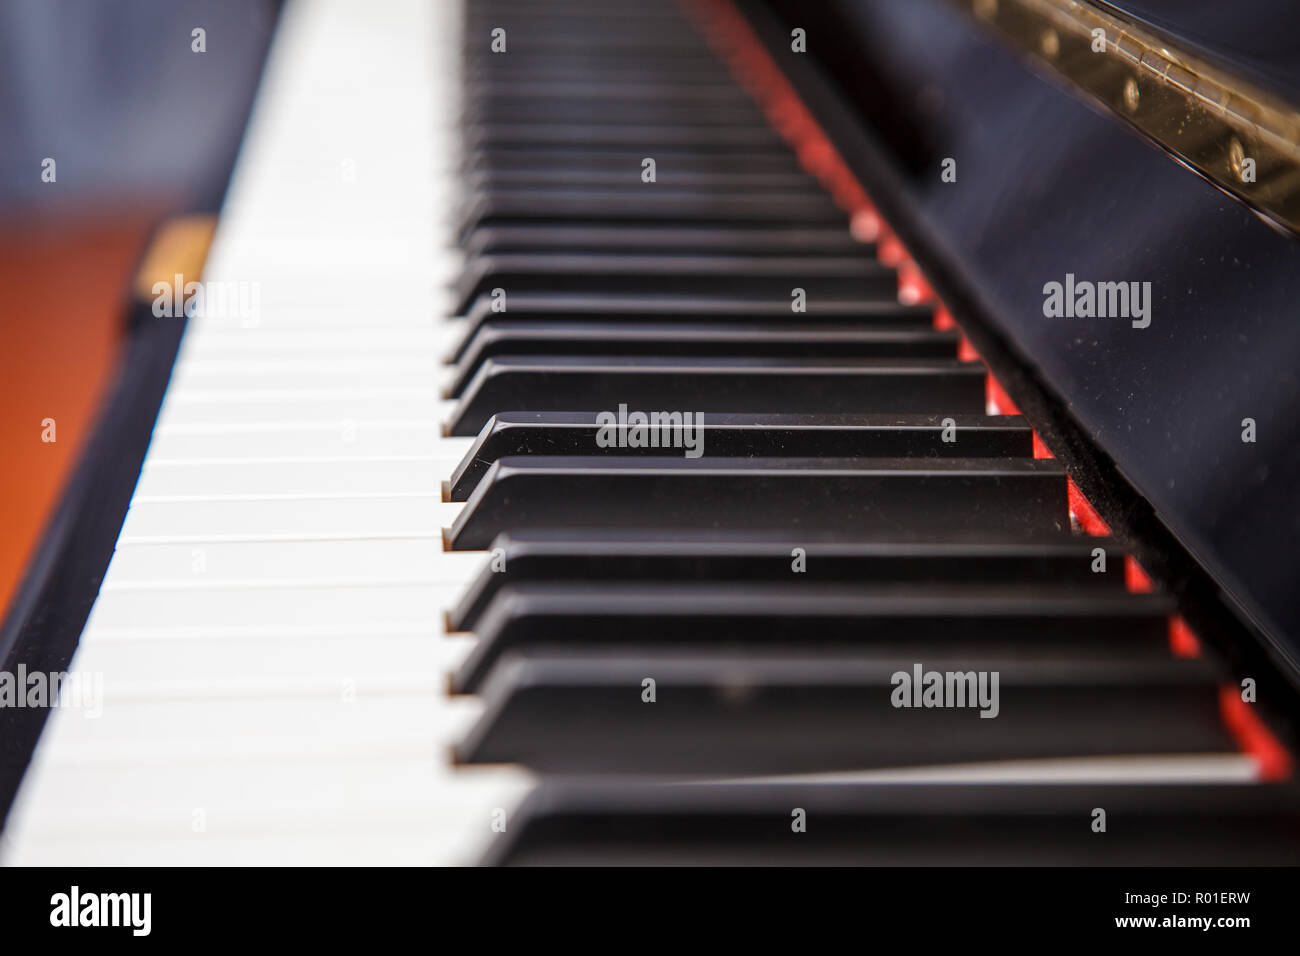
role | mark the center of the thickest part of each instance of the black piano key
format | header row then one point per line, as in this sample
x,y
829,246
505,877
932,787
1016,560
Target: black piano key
x,y
751,436
610,98
686,220
733,339
623,197
792,386
650,112
542,38
652,46
607,157
617,10
744,714
797,618
559,12
657,239
490,180
609,52
577,32
648,203
622,564
866,496
607,18
639,202
614,18
819,276
615,13
733,140
634,823
622,68
547,308
654,556
630,93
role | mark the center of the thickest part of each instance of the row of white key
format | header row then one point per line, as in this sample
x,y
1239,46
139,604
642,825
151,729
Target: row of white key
x,y
270,629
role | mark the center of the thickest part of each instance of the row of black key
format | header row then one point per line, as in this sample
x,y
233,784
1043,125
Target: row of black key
x,y
721,618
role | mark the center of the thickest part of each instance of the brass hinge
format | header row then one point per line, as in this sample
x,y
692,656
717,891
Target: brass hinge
x,y
1243,139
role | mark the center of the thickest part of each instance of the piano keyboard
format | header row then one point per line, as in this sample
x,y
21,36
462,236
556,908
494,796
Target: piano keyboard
x,y
393,589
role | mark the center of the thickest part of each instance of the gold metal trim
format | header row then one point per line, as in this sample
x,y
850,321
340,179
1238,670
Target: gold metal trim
x,y
1241,138
179,247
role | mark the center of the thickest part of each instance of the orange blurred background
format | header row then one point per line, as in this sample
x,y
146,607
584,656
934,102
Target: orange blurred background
x,y
143,128
64,284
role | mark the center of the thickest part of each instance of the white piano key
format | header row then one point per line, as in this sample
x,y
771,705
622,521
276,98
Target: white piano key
x,y
392,779
165,716
337,406
343,600
445,821
287,475
343,439
331,309
361,514
418,557
141,656
307,373
224,343
269,633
